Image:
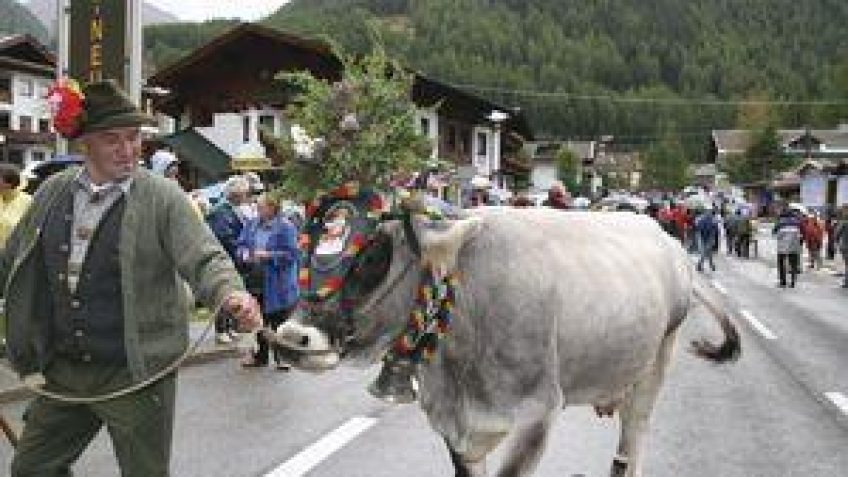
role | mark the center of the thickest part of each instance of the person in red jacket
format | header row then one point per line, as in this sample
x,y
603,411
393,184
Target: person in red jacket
x,y
812,230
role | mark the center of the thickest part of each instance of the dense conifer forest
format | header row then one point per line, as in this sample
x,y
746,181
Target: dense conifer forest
x,y
641,70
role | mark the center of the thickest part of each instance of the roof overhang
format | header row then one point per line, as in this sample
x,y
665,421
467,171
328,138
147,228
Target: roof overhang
x,y
227,73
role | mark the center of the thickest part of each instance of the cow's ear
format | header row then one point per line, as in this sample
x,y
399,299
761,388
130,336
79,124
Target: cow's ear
x,y
441,241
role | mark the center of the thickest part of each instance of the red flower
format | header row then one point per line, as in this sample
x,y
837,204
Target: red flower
x,y
66,103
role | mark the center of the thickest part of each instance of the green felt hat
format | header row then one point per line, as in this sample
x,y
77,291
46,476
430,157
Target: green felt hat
x,y
108,107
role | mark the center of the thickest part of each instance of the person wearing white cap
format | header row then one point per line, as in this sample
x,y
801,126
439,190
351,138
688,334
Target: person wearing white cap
x,y
165,163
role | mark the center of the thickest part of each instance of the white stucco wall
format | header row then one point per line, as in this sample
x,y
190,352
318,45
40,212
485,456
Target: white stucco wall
x,y
483,160
227,131
432,132
543,175
813,189
842,191
34,105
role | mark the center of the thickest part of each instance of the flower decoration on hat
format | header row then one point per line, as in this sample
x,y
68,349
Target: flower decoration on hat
x,y
67,107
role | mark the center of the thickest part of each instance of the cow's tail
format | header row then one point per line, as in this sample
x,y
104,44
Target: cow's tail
x,y
731,348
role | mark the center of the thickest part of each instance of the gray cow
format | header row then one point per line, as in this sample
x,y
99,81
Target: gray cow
x,y
553,309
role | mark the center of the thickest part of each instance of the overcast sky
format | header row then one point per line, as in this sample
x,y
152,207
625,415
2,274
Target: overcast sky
x,y
199,10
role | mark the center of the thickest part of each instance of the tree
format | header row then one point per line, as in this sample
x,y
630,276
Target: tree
x,y
568,168
665,165
762,160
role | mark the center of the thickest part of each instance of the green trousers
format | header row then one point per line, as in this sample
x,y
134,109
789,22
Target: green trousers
x,y
56,433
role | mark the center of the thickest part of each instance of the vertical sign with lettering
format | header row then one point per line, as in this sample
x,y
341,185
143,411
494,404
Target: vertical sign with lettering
x,y
97,40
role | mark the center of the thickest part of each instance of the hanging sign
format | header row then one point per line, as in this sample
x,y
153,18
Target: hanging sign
x,y
98,40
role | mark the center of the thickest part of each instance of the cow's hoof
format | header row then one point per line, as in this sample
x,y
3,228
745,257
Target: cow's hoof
x,y
394,384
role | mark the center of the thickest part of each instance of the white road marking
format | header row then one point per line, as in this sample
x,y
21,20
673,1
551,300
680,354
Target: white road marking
x,y
839,400
758,326
308,458
718,286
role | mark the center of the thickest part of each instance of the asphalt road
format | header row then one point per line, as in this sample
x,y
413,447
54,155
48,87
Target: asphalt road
x,y
774,413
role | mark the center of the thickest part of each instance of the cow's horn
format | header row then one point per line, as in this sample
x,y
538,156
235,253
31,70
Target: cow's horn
x,y
441,241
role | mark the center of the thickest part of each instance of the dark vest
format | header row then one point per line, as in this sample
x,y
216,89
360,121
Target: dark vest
x,y
87,325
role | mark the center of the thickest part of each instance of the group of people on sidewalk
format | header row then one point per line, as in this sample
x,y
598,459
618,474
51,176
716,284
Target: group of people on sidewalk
x,y
263,245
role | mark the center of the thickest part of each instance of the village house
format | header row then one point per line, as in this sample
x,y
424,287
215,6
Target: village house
x,y
26,71
545,168
821,181
602,166
224,94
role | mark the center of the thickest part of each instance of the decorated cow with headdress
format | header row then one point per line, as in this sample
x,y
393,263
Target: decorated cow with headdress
x,y
501,315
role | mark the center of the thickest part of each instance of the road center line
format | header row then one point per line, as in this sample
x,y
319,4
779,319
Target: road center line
x,y
839,400
718,286
758,326
308,458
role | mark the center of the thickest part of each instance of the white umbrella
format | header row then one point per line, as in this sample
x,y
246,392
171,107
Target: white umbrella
x,y
480,182
799,207
581,203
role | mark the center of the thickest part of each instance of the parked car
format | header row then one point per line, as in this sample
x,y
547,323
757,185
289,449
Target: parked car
x,y
36,173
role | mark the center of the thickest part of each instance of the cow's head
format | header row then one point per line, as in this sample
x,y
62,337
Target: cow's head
x,y
370,292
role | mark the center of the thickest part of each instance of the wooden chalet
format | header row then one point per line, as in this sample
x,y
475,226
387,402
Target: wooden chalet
x,y
235,74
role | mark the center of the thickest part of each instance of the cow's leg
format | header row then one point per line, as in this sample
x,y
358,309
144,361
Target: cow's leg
x,y
463,467
635,414
524,455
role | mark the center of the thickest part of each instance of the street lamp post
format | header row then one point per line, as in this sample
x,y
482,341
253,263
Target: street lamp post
x,y
497,117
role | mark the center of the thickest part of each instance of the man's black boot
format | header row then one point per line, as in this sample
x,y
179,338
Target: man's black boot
x,y
394,384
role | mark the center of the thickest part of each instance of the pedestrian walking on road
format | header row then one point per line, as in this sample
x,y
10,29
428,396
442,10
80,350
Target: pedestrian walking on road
x,y
830,235
812,230
787,230
706,233
841,242
744,234
95,301
268,248
730,221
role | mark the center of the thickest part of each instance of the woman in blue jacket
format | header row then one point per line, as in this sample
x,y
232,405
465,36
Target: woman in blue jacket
x,y
267,246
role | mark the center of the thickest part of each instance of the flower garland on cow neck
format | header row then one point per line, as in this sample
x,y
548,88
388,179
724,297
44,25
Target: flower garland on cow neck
x,y
429,320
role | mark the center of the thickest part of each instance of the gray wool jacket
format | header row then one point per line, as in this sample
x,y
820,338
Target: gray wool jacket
x,y
163,242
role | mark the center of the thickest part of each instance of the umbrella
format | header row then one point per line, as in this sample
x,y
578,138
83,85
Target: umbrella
x,y
480,182
581,203
799,207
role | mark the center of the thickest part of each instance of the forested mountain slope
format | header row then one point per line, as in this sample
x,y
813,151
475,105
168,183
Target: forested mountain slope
x,y
637,69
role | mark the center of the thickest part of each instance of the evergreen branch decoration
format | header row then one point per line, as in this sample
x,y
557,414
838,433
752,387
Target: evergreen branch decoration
x,y
361,128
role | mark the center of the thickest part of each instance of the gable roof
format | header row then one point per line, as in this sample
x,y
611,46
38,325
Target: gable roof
x,y
243,34
736,141
244,60
25,53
